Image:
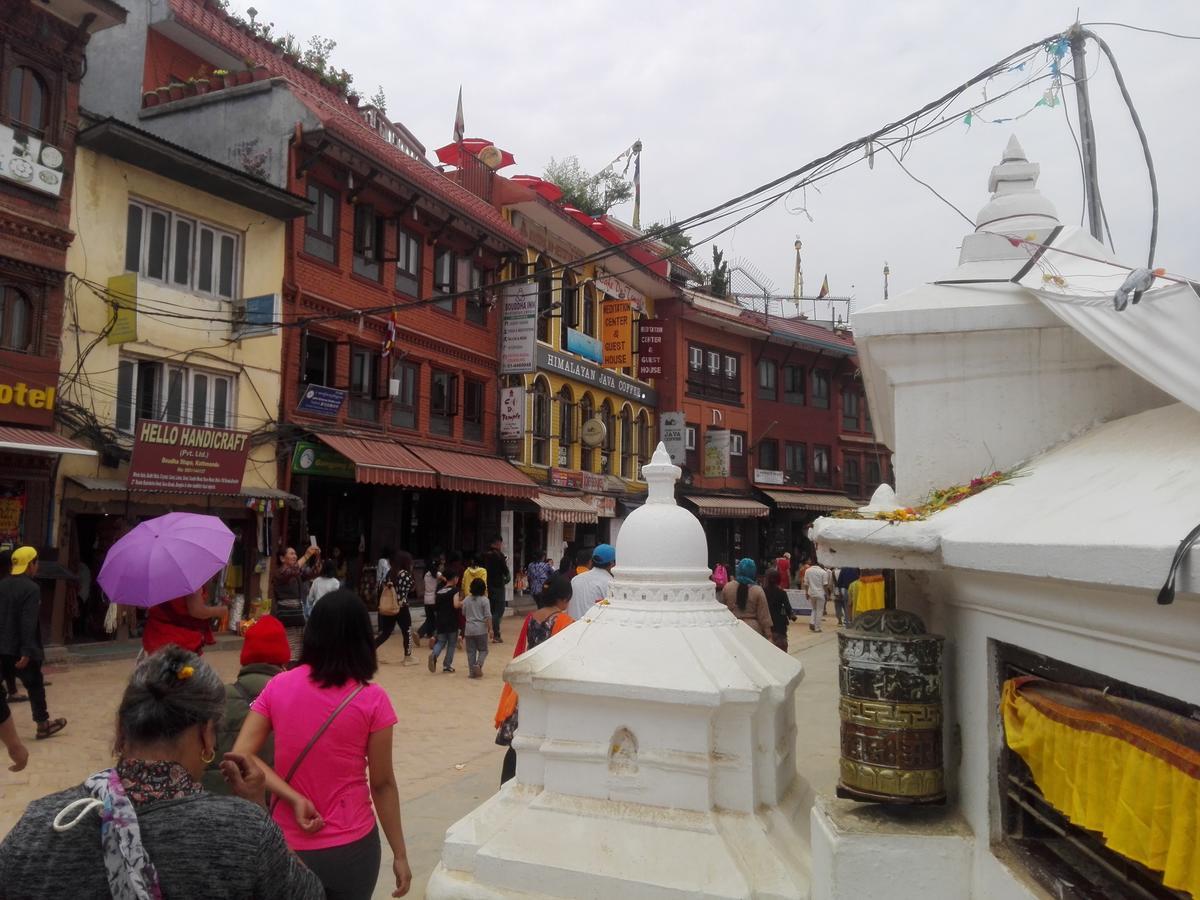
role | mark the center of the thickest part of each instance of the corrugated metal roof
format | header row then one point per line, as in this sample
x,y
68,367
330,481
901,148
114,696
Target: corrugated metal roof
x,y
729,507
557,508
470,473
381,462
31,440
809,500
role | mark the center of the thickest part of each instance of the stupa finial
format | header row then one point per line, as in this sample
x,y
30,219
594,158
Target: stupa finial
x,y
661,474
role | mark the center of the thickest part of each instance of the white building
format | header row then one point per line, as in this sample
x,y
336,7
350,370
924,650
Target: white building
x,y
1056,572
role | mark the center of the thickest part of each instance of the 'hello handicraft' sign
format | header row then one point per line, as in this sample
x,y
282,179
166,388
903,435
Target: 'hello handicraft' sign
x,y
183,459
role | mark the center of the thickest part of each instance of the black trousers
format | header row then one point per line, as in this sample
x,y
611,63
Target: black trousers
x,y
387,625
429,626
497,603
35,685
348,872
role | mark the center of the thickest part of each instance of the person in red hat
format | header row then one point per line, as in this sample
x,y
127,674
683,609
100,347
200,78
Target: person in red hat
x,y
265,653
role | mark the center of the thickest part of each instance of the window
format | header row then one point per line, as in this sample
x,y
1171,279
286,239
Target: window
x,y
540,398
731,367
737,454
690,433
364,367
443,279
477,303
821,466
473,392
589,310
793,385
404,394
162,392
644,444
587,410
570,305
795,463
768,455
820,388
713,360
320,227
16,319
408,264
695,359
867,426
28,100
713,375
318,362
851,475
626,443
368,238
545,297
689,438
566,418
179,251
874,475
768,375
607,463
849,409
443,402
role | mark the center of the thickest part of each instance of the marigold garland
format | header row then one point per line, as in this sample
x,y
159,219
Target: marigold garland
x,y
942,498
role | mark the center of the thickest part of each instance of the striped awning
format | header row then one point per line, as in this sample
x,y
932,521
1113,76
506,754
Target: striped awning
x,y
558,508
382,462
729,507
809,500
473,474
99,486
31,440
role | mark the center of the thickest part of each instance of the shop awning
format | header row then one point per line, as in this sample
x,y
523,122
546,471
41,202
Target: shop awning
x,y
729,507
116,486
30,440
474,474
809,500
382,462
557,508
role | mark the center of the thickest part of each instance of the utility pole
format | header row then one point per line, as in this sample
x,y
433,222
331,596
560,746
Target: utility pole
x,y
798,283
886,273
1087,134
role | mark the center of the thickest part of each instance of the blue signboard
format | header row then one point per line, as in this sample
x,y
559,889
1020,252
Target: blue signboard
x,y
586,346
321,400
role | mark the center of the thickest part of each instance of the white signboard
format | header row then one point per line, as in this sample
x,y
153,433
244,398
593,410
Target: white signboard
x,y
26,160
716,453
673,433
768,476
518,345
512,413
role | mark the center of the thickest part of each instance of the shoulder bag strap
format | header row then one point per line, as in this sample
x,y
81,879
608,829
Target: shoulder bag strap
x,y
317,736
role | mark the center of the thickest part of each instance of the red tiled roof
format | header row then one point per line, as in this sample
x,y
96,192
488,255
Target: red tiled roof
x,y
381,462
340,119
35,441
802,330
478,474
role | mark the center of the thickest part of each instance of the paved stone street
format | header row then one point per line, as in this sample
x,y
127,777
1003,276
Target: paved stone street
x,y
446,759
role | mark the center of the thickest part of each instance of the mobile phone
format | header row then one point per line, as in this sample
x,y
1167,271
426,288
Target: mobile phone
x,y
312,541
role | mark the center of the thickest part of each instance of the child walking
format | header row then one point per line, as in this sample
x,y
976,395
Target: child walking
x,y
446,604
478,612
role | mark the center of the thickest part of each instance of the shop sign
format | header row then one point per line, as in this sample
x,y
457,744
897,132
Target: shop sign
x,y
28,386
604,506
616,332
716,453
585,345
673,434
650,348
27,161
316,459
321,400
518,342
11,508
183,459
512,413
122,318
618,289
768,476
592,481
565,478
590,373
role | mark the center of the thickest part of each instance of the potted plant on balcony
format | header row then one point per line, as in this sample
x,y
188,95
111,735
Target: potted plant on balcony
x,y
245,76
149,98
203,85
175,90
164,94
260,72
223,78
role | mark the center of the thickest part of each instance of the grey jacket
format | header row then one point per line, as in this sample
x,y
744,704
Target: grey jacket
x,y
215,848
20,628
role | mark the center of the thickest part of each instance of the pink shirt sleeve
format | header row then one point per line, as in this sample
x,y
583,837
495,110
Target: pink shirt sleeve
x,y
382,715
262,703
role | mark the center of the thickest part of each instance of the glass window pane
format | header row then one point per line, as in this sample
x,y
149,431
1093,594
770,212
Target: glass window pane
x,y
313,220
183,252
156,250
173,407
199,399
327,215
228,260
204,263
147,390
220,414
125,370
133,239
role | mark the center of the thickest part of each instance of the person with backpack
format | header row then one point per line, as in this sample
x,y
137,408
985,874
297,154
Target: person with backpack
x,y
720,576
393,602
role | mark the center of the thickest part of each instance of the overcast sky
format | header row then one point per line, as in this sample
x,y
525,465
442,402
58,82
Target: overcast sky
x,y
726,96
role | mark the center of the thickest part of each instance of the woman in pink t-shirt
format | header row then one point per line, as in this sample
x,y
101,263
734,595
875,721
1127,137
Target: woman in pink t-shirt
x,y
348,768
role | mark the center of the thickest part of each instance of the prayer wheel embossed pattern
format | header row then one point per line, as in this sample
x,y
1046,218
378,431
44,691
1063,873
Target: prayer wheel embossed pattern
x,y
890,677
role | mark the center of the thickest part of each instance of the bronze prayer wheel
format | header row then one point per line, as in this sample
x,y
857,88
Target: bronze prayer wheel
x,y
890,676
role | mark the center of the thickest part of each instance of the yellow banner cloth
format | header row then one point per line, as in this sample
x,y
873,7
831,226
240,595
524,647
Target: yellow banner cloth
x,y
1124,769
870,594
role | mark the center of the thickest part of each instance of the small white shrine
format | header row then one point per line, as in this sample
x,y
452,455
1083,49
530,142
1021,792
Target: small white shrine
x,y
656,747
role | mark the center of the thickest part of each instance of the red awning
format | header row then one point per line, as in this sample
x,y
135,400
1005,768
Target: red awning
x,y
473,474
729,507
30,440
382,462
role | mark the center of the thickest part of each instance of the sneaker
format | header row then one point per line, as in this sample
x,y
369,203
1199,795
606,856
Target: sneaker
x,y
448,670
432,663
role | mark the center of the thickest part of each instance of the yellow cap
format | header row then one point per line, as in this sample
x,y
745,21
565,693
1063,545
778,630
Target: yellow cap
x,y
21,558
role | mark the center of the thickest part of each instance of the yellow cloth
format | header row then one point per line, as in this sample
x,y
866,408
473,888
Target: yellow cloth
x,y
1134,786
870,594
469,576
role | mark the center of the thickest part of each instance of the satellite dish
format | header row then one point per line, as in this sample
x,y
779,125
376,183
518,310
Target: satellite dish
x,y
491,156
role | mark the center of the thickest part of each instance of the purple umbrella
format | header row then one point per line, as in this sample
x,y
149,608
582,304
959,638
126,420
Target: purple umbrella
x,y
165,558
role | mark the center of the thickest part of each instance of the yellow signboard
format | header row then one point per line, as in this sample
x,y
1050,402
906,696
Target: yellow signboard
x,y
122,293
617,333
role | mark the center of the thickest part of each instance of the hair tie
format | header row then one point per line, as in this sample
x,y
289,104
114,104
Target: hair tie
x,y
185,672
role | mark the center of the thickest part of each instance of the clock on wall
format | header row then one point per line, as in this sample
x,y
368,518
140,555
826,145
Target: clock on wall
x,y
593,432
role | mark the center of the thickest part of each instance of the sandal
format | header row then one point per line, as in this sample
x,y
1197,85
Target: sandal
x,y
18,698
48,729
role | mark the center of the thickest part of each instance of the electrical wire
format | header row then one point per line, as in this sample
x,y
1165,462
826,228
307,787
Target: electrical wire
x,y
1182,37
929,187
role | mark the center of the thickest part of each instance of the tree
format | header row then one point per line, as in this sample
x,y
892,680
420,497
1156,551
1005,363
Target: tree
x,y
594,194
379,100
676,239
720,274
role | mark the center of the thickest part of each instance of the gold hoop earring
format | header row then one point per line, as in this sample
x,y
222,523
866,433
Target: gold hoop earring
x,y
208,757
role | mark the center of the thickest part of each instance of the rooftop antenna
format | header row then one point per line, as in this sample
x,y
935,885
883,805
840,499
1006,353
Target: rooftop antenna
x,y
798,282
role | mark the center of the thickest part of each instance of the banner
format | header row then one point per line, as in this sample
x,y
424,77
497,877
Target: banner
x,y
512,413
518,345
650,348
716,453
673,433
617,333
27,161
122,289
183,459
584,344
321,400
316,459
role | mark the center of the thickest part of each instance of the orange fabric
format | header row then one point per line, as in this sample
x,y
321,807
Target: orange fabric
x,y
171,623
508,697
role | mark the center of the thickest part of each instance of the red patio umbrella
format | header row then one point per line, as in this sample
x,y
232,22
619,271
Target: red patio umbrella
x,y
451,154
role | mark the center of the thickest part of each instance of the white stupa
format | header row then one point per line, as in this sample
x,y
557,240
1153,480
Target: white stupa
x,y
655,753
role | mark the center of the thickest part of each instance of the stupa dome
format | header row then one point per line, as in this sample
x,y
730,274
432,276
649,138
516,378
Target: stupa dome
x,y
1016,203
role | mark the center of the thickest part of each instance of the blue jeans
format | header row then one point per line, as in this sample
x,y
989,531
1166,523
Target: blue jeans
x,y
446,641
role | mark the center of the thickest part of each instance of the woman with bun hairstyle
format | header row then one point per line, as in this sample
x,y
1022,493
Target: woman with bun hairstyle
x,y
146,828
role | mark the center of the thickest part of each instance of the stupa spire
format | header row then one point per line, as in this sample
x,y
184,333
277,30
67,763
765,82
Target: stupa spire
x,y
1016,203
660,475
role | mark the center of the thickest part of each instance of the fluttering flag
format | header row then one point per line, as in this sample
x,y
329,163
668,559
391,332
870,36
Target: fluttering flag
x,y
389,342
824,292
460,126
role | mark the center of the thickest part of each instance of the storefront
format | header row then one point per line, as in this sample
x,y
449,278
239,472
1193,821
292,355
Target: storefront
x,y
730,524
792,512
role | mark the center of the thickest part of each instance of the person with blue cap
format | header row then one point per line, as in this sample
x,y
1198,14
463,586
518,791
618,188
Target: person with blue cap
x,y
590,587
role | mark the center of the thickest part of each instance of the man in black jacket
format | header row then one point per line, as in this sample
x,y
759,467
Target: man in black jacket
x,y
498,577
21,636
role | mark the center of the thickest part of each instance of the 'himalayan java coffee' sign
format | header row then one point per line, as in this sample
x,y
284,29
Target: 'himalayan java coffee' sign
x,y
182,459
